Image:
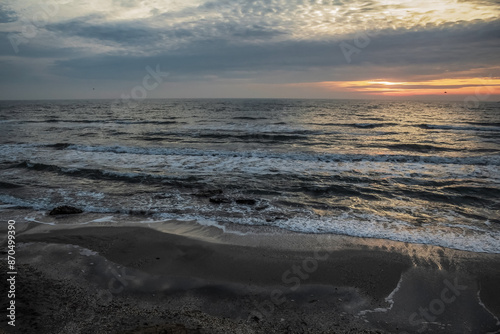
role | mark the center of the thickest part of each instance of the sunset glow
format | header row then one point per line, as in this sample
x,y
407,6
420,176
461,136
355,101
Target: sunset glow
x,y
485,87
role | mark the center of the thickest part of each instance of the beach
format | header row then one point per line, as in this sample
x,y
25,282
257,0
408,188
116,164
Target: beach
x,y
179,277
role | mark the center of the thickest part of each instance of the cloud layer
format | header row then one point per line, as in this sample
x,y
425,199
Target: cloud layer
x,y
73,45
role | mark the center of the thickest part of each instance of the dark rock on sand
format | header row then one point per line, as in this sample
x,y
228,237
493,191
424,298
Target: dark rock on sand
x,y
246,201
65,210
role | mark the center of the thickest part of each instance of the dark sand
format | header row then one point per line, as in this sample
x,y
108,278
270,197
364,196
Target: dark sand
x,y
145,281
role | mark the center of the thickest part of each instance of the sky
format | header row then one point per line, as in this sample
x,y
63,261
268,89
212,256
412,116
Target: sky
x,y
370,49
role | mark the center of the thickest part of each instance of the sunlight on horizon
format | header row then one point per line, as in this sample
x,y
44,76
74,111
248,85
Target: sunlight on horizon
x,y
484,86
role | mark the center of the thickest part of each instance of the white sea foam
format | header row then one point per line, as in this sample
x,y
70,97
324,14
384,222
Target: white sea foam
x,y
125,161
86,252
372,226
159,162
351,224
103,219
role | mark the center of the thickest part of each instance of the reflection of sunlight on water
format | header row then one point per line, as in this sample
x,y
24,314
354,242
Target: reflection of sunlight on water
x,y
419,254
396,124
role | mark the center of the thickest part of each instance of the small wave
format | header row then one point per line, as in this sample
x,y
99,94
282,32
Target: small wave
x,y
275,137
249,118
456,128
484,123
298,156
486,191
484,150
13,150
107,121
373,125
149,122
357,125
56,120
59,146
422,148
101,174
338,190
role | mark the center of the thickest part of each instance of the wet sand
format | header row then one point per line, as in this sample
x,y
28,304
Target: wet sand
x,y
133,279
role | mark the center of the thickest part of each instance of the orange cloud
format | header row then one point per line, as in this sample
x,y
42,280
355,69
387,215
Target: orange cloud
x,y
461,86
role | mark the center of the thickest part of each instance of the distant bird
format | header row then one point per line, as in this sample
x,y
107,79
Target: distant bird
x,y
94,89
445,92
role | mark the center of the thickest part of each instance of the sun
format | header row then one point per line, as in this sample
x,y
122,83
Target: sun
x,y
387,83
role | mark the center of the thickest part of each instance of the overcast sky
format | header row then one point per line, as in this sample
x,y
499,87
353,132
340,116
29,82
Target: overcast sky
x,y
242,48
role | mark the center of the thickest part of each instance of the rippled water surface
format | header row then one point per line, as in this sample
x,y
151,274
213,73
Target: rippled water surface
x,y
425,172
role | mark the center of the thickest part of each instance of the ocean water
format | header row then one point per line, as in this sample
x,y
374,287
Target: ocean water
x,y
421,172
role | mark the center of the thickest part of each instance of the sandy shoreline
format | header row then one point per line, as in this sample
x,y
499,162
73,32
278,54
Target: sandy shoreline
x,y
110,279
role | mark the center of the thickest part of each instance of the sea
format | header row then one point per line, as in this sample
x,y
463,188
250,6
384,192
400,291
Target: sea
x,y
410,171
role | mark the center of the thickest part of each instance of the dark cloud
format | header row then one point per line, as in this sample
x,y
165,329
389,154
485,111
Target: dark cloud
x,y
129,32
133,33
466,45
470,43
7,15
32,48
